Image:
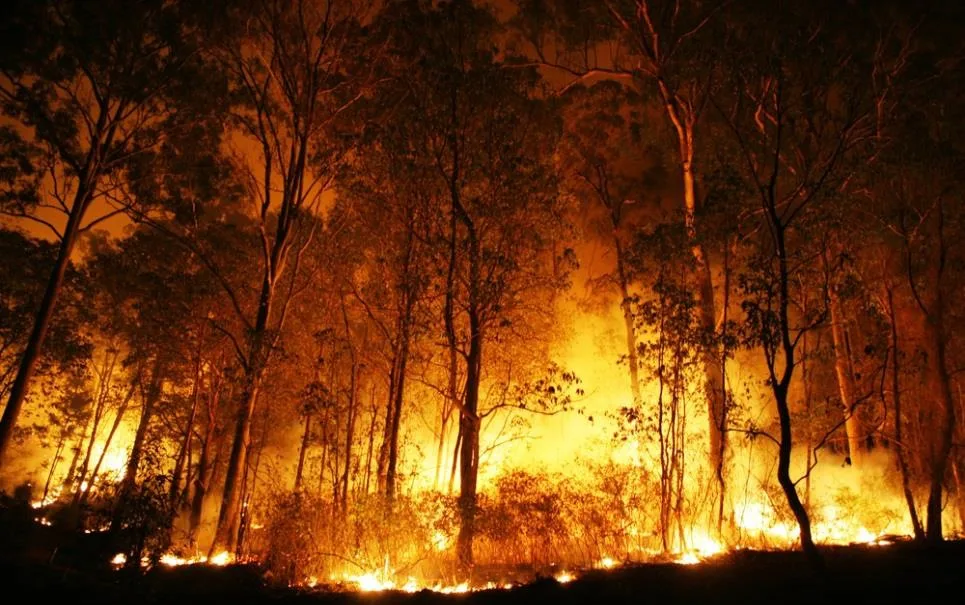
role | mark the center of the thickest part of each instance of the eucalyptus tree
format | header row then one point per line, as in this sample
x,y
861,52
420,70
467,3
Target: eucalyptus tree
x,y
487,137
85,87
800,111
669,49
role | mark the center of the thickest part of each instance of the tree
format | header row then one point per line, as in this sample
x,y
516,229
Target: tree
x,y
288,73
487,140
605,162
668,47
794,135
84,85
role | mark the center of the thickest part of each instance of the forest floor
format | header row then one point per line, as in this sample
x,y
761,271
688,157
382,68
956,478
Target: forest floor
x,y
901,572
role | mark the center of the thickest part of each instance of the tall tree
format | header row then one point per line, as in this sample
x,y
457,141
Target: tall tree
x,y
667,47
84,84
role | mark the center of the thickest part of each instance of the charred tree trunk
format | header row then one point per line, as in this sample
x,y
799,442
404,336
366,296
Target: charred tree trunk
x,y
371,448
399,397
147,413
780,386
53,467
350,432
469,449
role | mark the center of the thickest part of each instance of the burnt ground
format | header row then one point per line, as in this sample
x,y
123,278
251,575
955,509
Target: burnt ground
x,y
42,566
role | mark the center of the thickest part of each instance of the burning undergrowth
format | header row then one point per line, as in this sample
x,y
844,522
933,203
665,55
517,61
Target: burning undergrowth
x,y
530,525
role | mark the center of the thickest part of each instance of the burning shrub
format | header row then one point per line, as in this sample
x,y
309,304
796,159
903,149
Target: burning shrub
x,y
523,521
295,535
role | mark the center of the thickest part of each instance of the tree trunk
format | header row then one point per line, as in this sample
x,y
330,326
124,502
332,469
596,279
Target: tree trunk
x,y
382,464
369,451
779,387
229,516
137,448
845,375
399,397
185,449
919,532
469,451
103,387
110,438
710,359
53,467
202,479
147,413
944,425
301,452
628,320
470,421
38,333
350,431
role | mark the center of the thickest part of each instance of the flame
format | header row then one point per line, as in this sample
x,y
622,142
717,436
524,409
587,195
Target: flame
x,y
565,577
219,559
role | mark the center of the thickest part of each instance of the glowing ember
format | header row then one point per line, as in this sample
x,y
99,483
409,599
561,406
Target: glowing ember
x,y
119,559
606,563
565,577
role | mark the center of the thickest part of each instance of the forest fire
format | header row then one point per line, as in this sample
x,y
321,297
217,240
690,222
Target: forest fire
x,y
458,296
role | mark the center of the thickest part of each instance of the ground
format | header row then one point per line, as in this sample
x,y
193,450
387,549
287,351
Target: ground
x,y
901,572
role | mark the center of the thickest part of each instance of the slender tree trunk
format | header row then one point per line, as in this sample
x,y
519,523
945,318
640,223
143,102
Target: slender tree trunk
x,y
103,387
845,375
628,320
301,453
457,447
780,390
916,526
945,423
74,461
137,448
470,421
684,124
202,478
185,449
147,413
53,467
350,431
382,464
399,397
369,452
110,439
38,333
229,516
469,451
